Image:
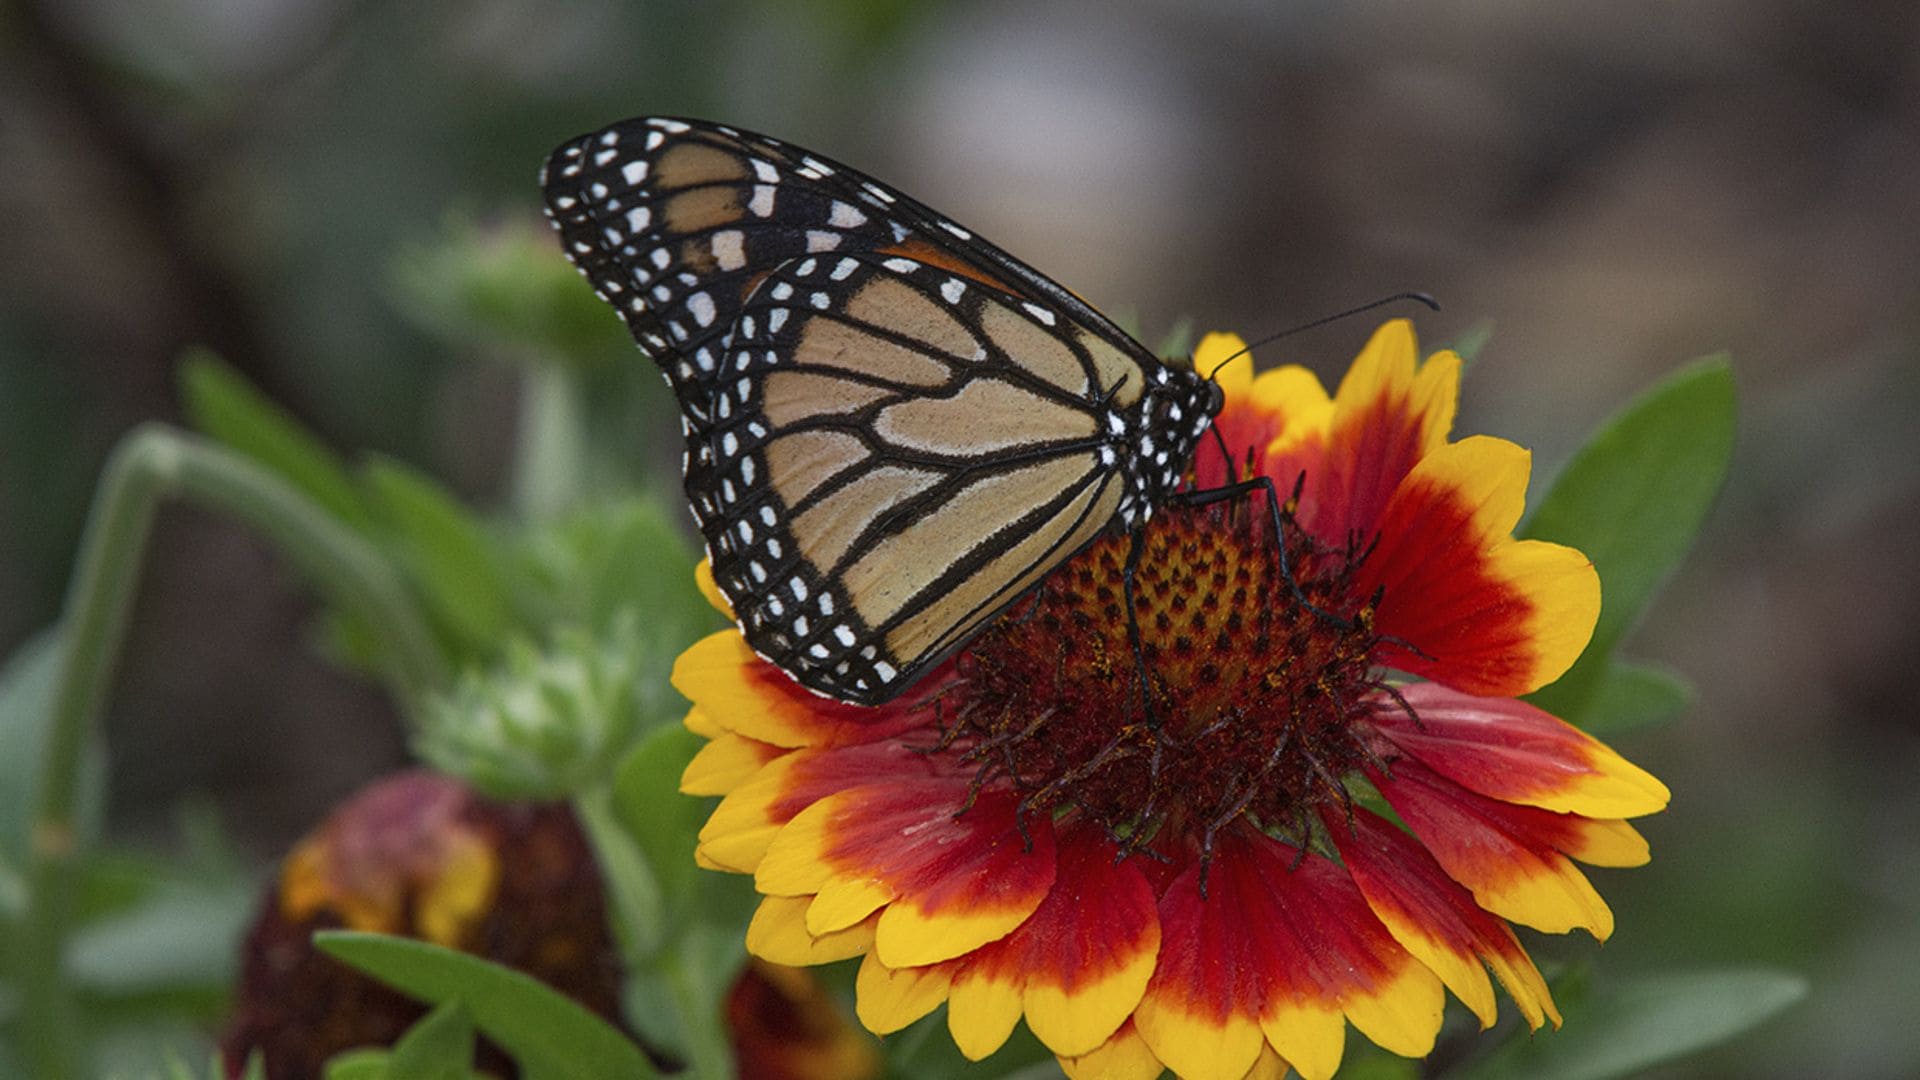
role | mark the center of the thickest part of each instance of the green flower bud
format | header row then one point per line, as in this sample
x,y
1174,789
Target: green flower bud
x,y
543,723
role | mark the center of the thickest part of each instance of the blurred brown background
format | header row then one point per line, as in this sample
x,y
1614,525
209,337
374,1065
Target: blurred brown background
x,y
1618,188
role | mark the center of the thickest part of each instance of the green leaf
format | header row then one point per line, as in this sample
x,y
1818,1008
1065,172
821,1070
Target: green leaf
x,y
362,1064
1632,499
1472,342
1178,340
505,287
626,556
1633,695
180,934
1623,1029
223,405
437,1047
546,1032
662,822
447,552
255,1068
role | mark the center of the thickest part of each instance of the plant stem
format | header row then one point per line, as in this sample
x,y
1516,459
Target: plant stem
x,y
681,960
150,464
698,1002
550,452
633,889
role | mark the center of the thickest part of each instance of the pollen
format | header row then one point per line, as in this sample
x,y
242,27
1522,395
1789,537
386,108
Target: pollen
x,y
1229,693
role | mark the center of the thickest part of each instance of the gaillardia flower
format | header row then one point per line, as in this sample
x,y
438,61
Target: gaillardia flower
x,y
423,856
1202,875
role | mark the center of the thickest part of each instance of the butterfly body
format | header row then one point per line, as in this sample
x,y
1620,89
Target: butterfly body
x,y
893,428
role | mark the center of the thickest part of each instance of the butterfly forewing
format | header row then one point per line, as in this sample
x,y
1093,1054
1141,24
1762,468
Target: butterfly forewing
x,y
893,427
890,474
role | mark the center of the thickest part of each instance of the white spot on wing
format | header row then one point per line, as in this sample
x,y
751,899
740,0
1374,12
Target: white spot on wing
x,y
702,307
730,249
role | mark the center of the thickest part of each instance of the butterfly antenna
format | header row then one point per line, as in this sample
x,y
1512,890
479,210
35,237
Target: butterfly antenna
x,y
1417,297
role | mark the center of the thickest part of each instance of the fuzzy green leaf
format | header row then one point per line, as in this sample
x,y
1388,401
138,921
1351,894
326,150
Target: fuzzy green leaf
x,y
361,1064
546,1032
439,1046
651,810
1633,695
1632,499
226,407
1624,1029
447,553
620,557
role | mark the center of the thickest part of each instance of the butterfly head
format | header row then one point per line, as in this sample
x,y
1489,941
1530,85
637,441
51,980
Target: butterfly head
x,y
1170,419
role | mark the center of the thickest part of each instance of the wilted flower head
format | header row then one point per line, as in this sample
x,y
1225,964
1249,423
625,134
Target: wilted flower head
x,y
417,855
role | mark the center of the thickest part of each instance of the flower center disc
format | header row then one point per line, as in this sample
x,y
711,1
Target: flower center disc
x,y
1253,681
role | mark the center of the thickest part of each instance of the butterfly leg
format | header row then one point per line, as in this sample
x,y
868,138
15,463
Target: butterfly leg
x,y
1136,547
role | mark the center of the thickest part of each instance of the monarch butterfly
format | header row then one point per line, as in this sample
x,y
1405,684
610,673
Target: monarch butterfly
x,y
893,428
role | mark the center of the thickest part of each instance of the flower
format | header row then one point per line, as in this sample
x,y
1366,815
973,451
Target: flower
x,y
1203,875
419,855
786,1026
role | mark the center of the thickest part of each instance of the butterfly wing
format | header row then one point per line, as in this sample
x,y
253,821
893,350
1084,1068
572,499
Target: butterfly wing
x,y
893,427
902,454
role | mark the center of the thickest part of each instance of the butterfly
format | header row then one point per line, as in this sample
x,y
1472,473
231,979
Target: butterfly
x,y
894,429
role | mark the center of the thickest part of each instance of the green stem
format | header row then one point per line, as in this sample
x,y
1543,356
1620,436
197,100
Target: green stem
x,y
633,889
150,464
698,1001
550,452
678,960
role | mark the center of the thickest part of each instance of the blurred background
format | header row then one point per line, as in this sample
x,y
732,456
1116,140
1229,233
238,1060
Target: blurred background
x,y
1613,189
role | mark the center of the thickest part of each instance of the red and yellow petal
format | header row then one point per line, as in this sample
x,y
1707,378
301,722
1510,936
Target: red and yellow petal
x,y
733,687
1280,954
1269,1065
1478,610
1076,968
1124,1056
778,933
1510,751
1389,413
726,762
887,999
1514,859
703,578
739,830
1435,918
949,880
1264,413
